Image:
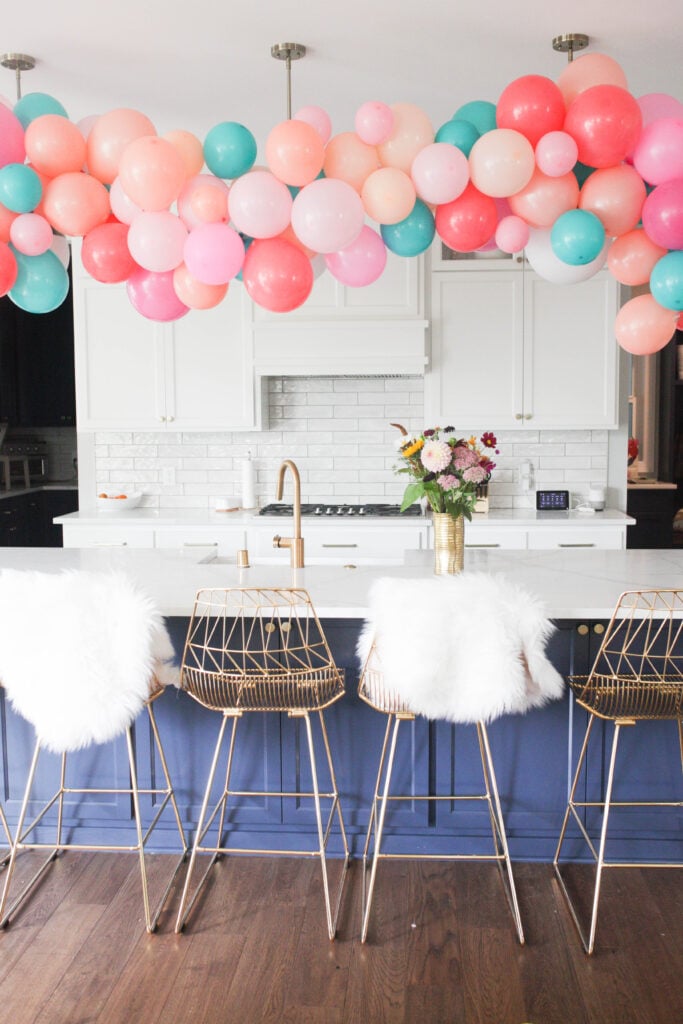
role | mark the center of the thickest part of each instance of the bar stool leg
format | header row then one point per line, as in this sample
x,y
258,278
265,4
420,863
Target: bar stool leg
x,y
376,826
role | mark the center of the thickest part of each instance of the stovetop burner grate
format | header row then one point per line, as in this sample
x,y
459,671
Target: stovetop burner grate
x,y
345,510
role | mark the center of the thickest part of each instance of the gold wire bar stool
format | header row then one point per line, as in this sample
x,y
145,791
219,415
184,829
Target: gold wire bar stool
x,y
373,691
637,676
256,650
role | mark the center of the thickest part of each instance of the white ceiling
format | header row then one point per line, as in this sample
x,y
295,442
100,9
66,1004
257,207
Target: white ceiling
x,y
193,63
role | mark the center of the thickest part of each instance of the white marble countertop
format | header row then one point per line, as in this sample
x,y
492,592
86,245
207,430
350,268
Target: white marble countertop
x,y
572,583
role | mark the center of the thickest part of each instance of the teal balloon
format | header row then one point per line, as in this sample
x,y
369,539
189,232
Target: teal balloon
x,y
582,172
229,150
42,282
247,240
577,237
458,132
481,113
666,280
20,188
35,104
411,236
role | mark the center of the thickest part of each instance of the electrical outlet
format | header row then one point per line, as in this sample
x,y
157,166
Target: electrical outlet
x,y
168,475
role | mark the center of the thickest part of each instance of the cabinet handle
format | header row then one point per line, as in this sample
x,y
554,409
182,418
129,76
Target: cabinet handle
x,y
528,415
200,543
599,628
586,544
582,630
482,545
339,545
162,419
170,419
518,415
111,543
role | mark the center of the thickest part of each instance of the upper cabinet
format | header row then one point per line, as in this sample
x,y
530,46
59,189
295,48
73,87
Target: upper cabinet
x,y
509,349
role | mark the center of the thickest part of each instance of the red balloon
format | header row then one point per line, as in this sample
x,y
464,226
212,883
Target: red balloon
x,y
533,105
8,268
605,121
105,253
468,222
277,275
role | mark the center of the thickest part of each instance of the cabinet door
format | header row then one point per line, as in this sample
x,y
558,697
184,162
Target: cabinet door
x,y
475,373
570,353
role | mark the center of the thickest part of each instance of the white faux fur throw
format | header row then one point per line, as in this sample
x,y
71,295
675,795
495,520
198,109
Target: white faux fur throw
x,y
464,648
79,652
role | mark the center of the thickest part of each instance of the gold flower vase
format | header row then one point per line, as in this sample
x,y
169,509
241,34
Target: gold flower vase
x,y
449,543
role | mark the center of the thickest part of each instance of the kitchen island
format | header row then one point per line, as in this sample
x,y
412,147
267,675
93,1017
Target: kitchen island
x,y
532,752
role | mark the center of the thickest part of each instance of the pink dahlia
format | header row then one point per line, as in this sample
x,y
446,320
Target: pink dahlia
x,y
474,475
464,457
435,456
447,481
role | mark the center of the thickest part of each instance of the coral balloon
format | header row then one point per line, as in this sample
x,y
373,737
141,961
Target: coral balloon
x,y
663,214
105,254
468,222
41,285
539,252
30,234
666,281
203,200
501,162
556,154
54,145
512,234
605,121
643,327
108,138
350,159
75,203
589,70
374,123
156,240
327,215
12,149
532,105
632,256
259,204
214,253
440,173
658,155
294,152
615,195
317,118
151,172
8,268
277,275
412,131
388,195
360,263
196,294
190,149
544,199
154,297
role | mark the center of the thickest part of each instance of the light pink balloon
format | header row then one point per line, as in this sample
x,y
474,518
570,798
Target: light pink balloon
x,y
658,155
501,162
123,208
214,253
30,234
153,295
156,241
86,124
360,263
643,327
259,205
327,215
556,154
655,105
60,247
318,119
374,123
512,234
203,200
440,173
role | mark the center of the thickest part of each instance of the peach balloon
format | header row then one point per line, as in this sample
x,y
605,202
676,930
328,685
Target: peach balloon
x,y
643,327
203,199
589,70
54,145
75,203
543,199
412,131
108,138
615,195
196,294
151,172
294,152
632,257
190,149
349,159
502,162
388,195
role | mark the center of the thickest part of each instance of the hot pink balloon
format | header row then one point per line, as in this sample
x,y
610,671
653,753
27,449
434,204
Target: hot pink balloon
x,y
643,327
556,154
154,297
318,119
663,214
12,150
30,234
360,263
327,215
374,123
512,234
156,240
123,208
214,253
440,173
658,155
259,205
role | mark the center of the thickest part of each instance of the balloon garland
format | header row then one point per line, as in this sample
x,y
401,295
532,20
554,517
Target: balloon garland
x,y
577,172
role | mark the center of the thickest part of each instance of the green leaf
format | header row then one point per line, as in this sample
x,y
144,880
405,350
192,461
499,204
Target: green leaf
x,y
413,493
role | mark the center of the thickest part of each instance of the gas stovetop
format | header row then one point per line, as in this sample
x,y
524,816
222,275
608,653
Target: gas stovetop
x,y
345,511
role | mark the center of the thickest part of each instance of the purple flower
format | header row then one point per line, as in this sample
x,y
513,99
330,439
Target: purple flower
x,y
463,457
474,475
447,481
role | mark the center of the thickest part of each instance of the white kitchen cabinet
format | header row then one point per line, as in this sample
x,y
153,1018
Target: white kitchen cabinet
x,y
509,349
613,538
338,543
219,540
106,535
134,374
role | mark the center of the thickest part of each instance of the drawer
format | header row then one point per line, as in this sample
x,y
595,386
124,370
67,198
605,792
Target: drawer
x,y
579,537
222,540
107,536
483,537
338,545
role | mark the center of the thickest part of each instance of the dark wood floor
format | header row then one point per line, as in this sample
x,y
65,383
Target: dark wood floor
x,y
442,949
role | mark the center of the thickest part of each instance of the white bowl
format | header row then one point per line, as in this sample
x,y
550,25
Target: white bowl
x,y
109,502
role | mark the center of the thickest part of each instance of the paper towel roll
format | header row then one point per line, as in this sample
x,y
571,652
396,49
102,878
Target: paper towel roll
x,y
248,484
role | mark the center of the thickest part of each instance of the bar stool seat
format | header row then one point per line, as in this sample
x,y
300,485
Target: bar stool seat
x,y
464,649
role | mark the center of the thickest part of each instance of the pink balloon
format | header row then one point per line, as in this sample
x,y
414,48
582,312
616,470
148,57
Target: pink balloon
x,y
632,257
214,253
203,200
658,154
605,122
327,215
615,195
542,201
156,240
259,204
277,275
151,172
318,119
60,247
295,152
123,208
512,234
30,234
374,123
643,327
196,294
153,295
663,214
12,150
360,263
556,154
388,195
440,173
655,105
85,124
501,162
411,132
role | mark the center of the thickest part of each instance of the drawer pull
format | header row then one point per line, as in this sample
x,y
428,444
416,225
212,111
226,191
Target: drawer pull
x,y
581,544
339,545
111,543
482,545
200,543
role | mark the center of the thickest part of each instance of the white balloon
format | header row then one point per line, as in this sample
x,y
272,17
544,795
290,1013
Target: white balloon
x,y
62,250
543,260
